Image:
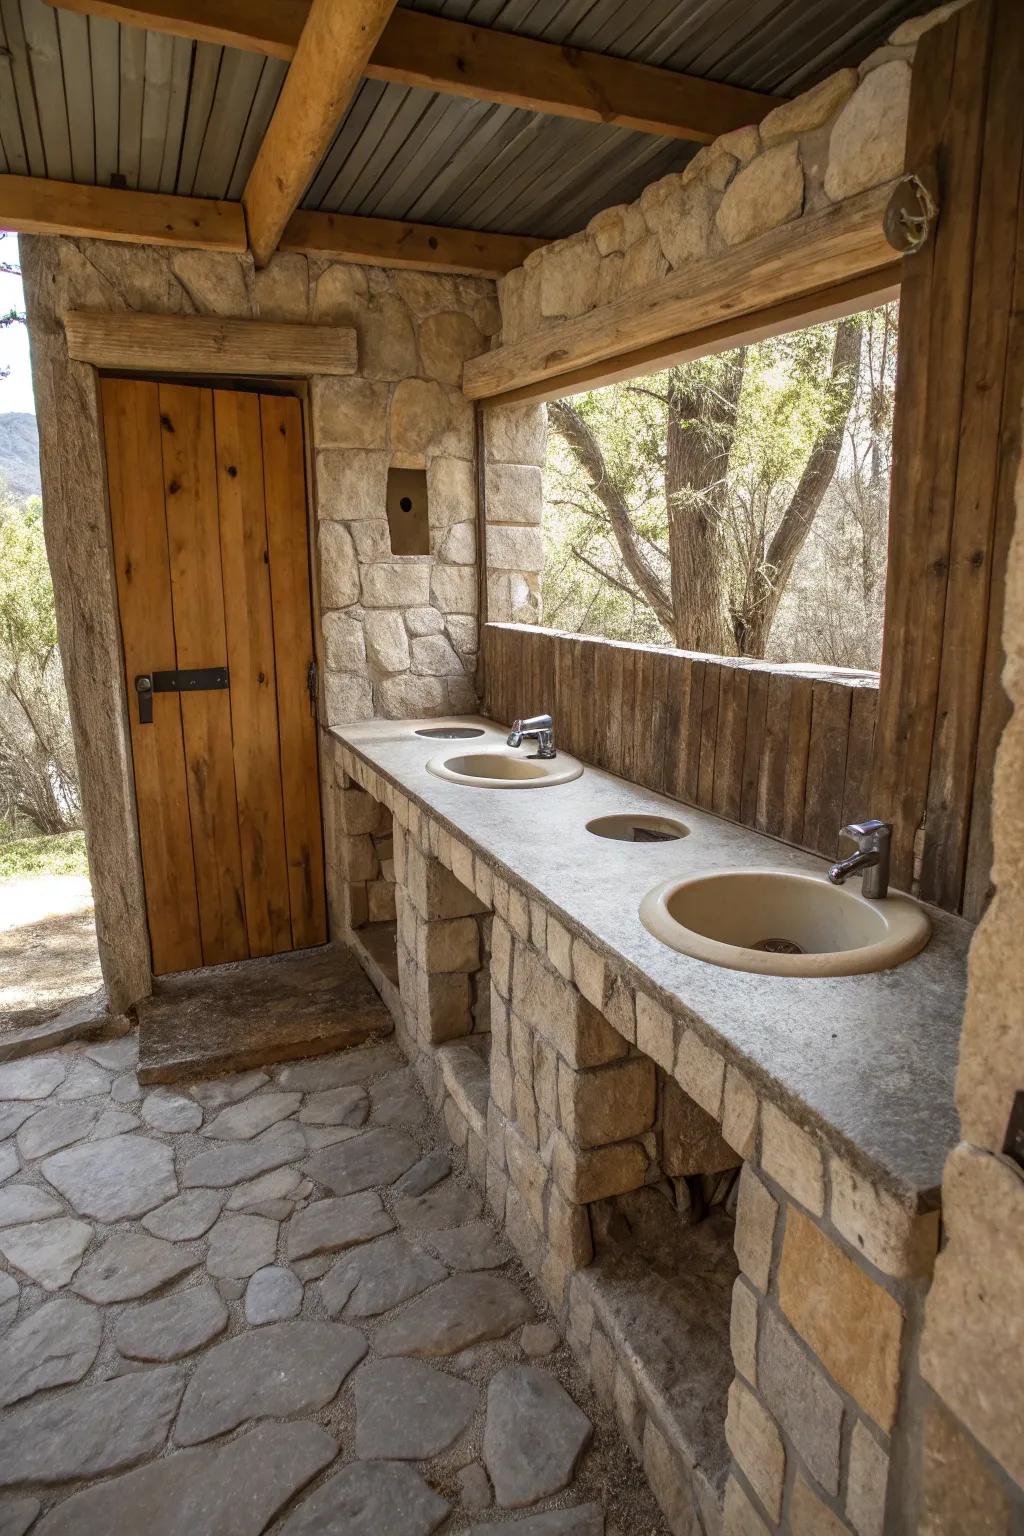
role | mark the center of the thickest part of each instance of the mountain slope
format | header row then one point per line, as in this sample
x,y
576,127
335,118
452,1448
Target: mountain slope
x,y
19,454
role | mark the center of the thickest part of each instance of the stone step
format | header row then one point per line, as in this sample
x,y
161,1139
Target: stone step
x,y
228,1017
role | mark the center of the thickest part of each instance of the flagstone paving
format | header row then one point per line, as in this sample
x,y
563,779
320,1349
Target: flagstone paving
x,y
274,1302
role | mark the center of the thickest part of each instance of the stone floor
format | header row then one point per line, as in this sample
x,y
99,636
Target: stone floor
x,y
273,1302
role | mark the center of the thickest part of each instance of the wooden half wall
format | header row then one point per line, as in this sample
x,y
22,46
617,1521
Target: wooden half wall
x,y
784,751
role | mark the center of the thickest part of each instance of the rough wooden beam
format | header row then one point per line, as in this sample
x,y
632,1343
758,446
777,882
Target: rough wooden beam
x,y
329,62
814,253
272,27
392,243
486,65
208,345
833,303
31,205
462,60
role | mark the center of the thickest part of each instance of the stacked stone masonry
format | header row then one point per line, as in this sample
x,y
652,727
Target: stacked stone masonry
x,y
593,1089
844,136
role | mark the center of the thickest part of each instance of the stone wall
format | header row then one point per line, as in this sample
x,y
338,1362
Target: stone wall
x,y
515,438
972,1470
400,634
593,1091
842,137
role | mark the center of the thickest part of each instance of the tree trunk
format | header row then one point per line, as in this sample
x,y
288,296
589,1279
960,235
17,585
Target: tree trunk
x,y
701,430
752,621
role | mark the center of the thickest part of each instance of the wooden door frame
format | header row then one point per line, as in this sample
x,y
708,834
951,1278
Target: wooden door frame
x,y
110,811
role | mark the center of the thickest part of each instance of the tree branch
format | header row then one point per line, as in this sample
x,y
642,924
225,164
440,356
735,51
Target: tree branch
x,y
584,447
752,624
607,576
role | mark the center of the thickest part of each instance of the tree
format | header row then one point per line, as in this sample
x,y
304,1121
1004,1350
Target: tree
x,y
833,608
692,494
767,576
38,775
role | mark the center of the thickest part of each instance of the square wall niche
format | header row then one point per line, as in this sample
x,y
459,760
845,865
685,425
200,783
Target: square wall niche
x,y
408,518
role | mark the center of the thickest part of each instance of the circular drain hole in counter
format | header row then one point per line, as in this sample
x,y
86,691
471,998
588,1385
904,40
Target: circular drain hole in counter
x,y
638,829
450,732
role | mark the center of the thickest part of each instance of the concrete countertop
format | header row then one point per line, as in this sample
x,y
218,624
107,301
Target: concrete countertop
x,y
869,1062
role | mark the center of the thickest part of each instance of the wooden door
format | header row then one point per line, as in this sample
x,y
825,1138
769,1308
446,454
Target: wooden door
x,y
208,510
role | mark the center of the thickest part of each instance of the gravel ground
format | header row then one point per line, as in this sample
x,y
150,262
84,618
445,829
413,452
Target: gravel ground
x,y
48,955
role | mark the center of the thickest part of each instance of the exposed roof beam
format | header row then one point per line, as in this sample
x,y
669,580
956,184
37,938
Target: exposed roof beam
x,y
463,60
330,60
31,205
834,246
392,243
442,55
272,27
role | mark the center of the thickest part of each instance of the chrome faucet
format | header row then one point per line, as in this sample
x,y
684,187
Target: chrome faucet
x,y
538,728
872,856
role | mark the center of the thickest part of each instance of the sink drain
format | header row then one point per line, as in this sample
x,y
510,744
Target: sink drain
x,y
778,947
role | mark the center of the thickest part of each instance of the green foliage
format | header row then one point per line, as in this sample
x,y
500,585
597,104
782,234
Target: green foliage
x,y
61,854
38,775
28,624
630,426
786,401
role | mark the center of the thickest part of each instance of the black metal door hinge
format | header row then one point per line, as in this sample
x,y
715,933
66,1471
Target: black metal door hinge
x,y
196,680
311,687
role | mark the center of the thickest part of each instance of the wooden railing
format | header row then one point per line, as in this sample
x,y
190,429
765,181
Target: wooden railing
x,y
784,750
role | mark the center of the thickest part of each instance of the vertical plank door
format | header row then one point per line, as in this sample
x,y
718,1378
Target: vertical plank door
x,y
193,541
245,559
284,480
131,416
208,512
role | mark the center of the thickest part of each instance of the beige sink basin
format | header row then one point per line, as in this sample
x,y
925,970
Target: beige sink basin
x,y
783,923
504,768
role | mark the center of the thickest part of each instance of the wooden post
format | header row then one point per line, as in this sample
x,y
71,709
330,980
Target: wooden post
x,y
334,49
954,450
78,543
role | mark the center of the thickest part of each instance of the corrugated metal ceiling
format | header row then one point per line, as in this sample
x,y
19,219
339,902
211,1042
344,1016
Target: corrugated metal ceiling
x,y
765,45
87,100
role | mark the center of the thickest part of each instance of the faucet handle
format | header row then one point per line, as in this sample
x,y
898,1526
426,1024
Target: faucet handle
x,y
868,834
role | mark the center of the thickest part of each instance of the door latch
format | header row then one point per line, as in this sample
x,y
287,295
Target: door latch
x,y
196,680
